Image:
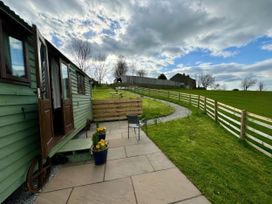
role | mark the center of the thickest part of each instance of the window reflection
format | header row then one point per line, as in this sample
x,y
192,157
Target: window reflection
x,y
16,57
65,79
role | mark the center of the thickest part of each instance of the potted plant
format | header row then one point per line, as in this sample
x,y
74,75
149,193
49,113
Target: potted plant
x,y
99,149
101,131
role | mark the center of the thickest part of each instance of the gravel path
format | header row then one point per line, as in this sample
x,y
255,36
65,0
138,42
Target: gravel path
x,y
180,112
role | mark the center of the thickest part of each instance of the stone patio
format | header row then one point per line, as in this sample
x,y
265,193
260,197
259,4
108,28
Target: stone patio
x,y
136,172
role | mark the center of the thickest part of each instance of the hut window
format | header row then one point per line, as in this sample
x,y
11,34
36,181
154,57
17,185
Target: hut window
x,y
13,57
65,80
80,83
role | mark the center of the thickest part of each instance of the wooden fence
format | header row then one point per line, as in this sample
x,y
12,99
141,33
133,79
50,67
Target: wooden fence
x,y
118,109
256,130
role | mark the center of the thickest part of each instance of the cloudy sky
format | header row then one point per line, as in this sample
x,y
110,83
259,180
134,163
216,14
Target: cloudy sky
x,y
230,39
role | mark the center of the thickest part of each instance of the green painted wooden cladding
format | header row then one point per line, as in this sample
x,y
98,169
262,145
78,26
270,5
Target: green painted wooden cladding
x,y
19,132
19,129
82,109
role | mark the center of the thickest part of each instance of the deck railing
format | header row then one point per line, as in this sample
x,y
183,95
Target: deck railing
x,y
255,129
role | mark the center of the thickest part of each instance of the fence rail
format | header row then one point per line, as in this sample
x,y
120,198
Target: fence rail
x,y
255,129
106,110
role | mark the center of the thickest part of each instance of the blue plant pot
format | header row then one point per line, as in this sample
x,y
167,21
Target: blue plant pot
x,y
100,157
102,136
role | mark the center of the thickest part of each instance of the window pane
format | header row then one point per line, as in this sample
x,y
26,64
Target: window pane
x,y
65,79
17,57
43,70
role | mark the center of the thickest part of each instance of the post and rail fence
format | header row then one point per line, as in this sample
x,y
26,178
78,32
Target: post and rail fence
x,y
255,129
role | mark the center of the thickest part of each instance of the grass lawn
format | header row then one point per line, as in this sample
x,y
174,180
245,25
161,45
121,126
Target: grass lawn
x,y
155,109
252,101
225,169
151,107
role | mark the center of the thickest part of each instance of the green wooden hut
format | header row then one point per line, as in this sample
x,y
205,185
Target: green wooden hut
x,y
44,100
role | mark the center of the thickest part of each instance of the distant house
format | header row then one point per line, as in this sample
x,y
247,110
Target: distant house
x,y
185,79
150,82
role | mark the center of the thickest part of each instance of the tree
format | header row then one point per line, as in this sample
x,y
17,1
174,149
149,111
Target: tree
x,y
141,73
120,68
100,70
82,52
260,86
216,86
162,76
206,80
247,82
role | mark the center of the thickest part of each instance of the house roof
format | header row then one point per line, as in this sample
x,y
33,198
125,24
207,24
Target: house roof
x,y
15,17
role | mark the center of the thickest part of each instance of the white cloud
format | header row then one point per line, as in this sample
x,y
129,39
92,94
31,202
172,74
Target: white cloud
x,y
152,33
230,74
267,47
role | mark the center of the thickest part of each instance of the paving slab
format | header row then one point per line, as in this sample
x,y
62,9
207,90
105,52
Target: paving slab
x,y
119,191
125,142
162,187
114,135
195,200
56,197
159,161
127,167
116,153
75,176
141,149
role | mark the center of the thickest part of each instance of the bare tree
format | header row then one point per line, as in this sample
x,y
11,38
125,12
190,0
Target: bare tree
x,y
248,82
216,86
206,80
120,68
141,73
132,69
100,70
260,86
82,52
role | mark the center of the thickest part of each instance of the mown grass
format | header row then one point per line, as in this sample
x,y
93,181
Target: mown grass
x,y
151,108
103,93
224,168
155,109
252,101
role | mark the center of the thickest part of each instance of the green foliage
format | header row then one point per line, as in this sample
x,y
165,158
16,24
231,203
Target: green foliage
x,y
95,139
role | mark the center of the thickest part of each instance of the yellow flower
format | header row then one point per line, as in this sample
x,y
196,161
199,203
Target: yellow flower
x,y
97,146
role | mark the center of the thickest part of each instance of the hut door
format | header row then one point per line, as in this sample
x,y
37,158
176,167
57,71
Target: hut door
x,y
44,96
67,103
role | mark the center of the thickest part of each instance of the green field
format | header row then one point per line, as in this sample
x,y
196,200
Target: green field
x,y
225,169
252,101
151,107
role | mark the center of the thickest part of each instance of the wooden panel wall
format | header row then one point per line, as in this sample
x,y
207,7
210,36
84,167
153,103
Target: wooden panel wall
x,y
19,133
107,110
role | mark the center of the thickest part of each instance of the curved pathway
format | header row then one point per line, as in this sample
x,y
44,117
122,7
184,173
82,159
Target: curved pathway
x,y
180,112
136,172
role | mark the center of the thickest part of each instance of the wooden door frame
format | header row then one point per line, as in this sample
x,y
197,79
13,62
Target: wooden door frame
x,y
61,61
37,38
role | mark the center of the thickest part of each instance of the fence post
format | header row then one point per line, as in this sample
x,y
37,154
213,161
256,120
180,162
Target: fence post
x,y
205,104
198,98
168,94
243,125
190,99
215,111
179,96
